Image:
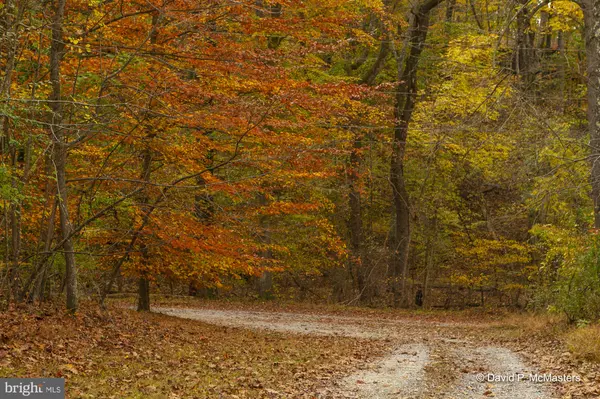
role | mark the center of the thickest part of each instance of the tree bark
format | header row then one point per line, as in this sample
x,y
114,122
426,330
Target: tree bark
x,y
475,15
144,282
59,154
147,159
591,11
430,255
40,277
545,37
355,225
403,109
13,14
264,283
144,295
384,50
450,8
522,60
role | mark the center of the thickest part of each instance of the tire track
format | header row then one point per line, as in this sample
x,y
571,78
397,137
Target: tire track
x,y
495,363
399,373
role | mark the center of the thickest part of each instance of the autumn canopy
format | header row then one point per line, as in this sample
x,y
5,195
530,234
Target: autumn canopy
x,y
353,151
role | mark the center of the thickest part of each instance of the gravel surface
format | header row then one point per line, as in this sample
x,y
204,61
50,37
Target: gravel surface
x,y
283,322
502,374
399,373
430,359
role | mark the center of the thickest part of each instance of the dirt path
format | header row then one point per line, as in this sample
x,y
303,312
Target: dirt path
x,y
498,362
400,373
430,359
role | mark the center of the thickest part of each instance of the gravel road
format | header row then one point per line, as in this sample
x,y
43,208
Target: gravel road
x,y
429,360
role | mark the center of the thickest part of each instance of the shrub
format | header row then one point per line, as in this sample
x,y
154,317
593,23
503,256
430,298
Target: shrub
x,y
584,342
569,276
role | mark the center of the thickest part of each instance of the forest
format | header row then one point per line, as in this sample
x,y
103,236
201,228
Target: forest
x,y
348,151
378,154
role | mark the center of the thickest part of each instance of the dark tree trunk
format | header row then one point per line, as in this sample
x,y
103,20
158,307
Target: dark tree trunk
x,y
147,159
46,237
384,50
526,58
59,154
11,23
522,49
264,283
40,275
430,252
403,109
143,295
545,39
450,7
475,15
355,225
144,283
591,11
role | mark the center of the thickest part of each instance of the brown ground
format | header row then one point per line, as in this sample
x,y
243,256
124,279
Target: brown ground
x,y
294,351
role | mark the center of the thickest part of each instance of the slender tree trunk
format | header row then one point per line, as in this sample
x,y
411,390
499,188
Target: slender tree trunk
x,y
403,109
147,159
204,210
144,282
264,283
591,11
545,38
15,206
450,7
40,276
46,233
59,153
382,55
12,15
562,72
355,224
357,260
430,252
521,49
475,15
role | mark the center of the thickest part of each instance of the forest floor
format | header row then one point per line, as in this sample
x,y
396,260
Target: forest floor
x,y
428,355
215,349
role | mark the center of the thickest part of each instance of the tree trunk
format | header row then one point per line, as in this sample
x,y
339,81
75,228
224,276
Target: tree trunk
x,y
382,55
47,224
545,38
143,295
403,109
59,154
147,159
41,270
264,283
450,7
521,54
355,225
475,15
591,11
144,282
430,252
11,22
